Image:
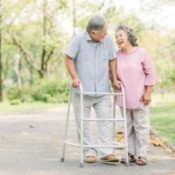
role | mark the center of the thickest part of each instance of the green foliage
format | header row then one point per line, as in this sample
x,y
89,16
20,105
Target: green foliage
x,y
45,90
15,93
15,102
37,32
50,90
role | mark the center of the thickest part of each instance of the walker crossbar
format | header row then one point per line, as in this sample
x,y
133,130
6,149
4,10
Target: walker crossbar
x,y
101,93
103,119
97,146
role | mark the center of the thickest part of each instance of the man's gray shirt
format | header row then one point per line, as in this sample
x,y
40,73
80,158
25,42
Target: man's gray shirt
x,y
92,61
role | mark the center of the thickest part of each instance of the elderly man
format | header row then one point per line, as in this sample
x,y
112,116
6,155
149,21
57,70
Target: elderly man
x,y
88,58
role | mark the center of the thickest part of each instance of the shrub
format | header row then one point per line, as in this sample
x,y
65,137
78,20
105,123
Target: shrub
x,y
21,94
45,90
15,102
49,90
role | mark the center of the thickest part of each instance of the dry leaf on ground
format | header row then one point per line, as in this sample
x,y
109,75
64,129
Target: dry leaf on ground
x,y
156,141
119,136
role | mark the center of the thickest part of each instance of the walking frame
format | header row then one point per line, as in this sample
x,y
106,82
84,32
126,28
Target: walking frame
x,y
81,145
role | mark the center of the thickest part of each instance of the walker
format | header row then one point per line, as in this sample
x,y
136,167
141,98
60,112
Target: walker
x,y
81,145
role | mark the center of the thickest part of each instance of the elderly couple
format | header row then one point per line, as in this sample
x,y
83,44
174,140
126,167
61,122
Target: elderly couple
x,y
89,58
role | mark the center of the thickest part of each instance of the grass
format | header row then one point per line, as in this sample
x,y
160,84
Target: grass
x,y
6,108
163,116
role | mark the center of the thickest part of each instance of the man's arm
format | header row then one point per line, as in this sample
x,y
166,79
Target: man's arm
x,y
114,78
71,69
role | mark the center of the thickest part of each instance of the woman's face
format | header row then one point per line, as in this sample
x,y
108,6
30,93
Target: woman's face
x,y
122,39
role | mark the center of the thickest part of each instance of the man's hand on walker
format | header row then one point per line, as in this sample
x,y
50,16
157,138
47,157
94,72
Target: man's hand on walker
x,y
76,83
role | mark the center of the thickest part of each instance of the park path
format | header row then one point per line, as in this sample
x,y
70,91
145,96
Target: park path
x,y
30,144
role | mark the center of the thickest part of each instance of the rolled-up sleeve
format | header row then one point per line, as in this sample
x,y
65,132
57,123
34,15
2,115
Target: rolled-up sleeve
x,y
72,49
150,74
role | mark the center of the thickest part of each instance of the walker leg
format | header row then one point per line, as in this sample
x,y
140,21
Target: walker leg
x,y
81,165
66,127
114,115
81,131
63,153
62,159
127,164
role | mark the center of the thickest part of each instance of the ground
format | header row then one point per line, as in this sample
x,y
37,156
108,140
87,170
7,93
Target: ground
x,y
31,144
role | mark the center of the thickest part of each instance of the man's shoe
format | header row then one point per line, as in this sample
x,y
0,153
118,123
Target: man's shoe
x,y
110,158
90,159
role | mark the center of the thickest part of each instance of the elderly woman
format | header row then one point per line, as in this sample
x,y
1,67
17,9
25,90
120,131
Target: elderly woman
x,y
135,71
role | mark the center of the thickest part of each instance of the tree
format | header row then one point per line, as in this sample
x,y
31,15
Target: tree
x,y
35,35
38,43
1,98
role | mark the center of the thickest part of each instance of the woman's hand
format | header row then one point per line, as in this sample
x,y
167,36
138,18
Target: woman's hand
x,y
146,99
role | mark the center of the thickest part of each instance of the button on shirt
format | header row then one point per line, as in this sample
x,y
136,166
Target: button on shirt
x,y
92,61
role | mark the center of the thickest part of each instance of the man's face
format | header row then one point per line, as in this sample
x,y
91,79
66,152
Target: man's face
x,y
98,36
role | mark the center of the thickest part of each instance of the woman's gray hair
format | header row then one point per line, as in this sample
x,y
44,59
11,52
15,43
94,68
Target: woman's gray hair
x,y
131,36
95,24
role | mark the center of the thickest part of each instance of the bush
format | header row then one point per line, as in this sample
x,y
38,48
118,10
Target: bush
x,y
21,94
15,102
45,90
13,93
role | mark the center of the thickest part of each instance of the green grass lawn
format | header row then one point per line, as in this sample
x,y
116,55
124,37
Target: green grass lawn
x,y
163,116
6,108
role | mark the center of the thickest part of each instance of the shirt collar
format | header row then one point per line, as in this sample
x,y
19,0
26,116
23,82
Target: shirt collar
x,y
88,38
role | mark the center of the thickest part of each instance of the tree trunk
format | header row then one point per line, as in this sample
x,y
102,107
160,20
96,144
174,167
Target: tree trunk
x,y
74,18
44,52
1,96
17,70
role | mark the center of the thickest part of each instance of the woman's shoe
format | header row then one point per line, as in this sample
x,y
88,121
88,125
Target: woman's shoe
x,y
141,161
131,159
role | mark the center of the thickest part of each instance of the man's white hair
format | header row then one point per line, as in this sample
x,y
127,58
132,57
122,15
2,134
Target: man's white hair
x,y
96,23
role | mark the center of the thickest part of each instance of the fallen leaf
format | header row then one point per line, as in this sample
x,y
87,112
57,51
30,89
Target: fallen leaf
x,y
31,126
119,136
156,141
